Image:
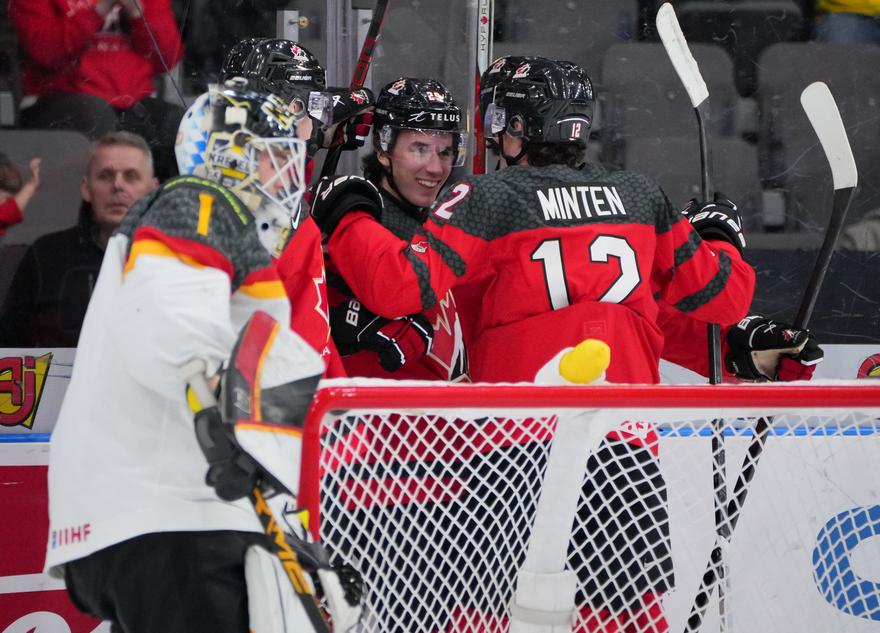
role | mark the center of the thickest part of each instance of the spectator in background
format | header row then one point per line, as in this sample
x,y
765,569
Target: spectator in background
x,y
13,195
90,66
847,21
47,301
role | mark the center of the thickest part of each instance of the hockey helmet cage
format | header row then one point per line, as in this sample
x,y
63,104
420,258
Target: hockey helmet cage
x,y
279,67
253,150
418,104
552,100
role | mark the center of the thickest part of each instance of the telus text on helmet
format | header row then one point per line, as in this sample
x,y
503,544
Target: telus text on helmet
x,y
434,116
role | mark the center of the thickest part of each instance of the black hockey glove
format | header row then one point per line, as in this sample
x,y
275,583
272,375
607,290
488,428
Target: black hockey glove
x,y
397,341
718,220
332,198
352,110
764,350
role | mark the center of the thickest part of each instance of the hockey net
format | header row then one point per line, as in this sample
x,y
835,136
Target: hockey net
x,y
432,493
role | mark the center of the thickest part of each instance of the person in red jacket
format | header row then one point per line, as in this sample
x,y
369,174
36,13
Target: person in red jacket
x,y
90,65
14,196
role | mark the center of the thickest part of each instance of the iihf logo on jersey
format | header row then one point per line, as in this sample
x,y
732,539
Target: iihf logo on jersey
x,y
419,247
69,535
21,385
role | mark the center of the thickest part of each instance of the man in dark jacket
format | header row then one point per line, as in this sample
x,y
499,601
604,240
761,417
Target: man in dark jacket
x,y
49,295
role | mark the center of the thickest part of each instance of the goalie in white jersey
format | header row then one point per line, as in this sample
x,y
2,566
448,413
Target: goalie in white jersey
x,y
139,536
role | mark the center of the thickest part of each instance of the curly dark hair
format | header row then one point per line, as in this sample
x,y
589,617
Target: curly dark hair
x,y
542,154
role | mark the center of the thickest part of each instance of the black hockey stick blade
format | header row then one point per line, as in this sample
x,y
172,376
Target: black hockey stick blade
x,y
331,160
821,109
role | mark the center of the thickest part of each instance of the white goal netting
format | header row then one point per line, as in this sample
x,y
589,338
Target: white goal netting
x,y
432,493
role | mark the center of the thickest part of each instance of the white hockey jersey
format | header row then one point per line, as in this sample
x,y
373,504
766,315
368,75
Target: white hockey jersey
x,y
179,279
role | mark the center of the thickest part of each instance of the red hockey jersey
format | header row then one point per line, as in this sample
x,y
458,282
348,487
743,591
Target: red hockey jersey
x,y
447,359
301,269
559,255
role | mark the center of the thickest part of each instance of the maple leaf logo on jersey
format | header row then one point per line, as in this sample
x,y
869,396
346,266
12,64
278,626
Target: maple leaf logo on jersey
x,y
522,71
788,335
397,87
420,247
359,96
496,67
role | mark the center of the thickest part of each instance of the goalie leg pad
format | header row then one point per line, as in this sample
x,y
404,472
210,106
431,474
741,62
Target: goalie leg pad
x,y
273,606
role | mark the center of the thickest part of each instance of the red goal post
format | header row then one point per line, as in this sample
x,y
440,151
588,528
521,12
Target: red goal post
x,y
388,467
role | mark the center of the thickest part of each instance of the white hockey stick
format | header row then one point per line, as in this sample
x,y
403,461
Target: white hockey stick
x,y
686,67
824,116
689,73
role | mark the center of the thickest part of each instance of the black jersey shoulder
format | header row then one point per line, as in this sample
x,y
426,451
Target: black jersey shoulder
x,y
202,211
522,198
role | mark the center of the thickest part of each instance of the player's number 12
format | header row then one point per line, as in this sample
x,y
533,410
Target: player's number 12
x,y
549,253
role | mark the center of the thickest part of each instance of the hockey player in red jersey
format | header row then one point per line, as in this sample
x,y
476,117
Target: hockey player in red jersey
x,y
417,139
559,254
139,536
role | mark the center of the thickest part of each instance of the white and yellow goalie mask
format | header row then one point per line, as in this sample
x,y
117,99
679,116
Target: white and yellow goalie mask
x,y
253,151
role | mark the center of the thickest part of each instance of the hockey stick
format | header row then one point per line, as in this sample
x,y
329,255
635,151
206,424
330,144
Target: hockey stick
x,y
194,375
484,28
686,67
821,110
357,81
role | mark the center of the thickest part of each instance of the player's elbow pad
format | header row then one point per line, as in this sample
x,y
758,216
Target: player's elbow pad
x,y
333,198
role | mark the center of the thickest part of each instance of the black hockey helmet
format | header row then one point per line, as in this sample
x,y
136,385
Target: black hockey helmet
x,y
552,100
279,67
417,104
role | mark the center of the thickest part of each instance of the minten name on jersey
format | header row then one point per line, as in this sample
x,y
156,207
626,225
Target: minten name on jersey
x,y
580,202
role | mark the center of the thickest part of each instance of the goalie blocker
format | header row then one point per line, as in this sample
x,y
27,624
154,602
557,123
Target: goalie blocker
x,y
252,440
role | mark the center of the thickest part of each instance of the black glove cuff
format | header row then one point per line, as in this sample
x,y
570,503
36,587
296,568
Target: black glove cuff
x,y
716,220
